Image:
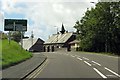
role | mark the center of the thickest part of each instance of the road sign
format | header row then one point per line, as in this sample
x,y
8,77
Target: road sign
x,y
15,25
18,27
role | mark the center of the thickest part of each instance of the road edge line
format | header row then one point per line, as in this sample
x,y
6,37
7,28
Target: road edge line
x,y
41,69
22,78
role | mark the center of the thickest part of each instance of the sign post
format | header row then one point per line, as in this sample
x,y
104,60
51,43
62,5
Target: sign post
x,y
15,25
21,39
9,38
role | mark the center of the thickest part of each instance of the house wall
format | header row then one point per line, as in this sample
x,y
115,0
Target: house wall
x,y
60,45
73,37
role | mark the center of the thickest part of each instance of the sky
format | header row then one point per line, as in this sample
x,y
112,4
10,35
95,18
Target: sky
x,y
44,16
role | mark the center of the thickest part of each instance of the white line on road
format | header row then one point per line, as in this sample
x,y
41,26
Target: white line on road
x,y
111,75
72,56
85,58
79,58
87,63
103,76
112,72
96,63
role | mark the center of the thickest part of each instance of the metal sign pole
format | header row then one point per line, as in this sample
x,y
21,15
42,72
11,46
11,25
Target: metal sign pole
x,y
21,40
14,25
9,37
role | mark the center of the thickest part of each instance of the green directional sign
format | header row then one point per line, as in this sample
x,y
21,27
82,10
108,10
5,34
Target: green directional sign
x,y
15,25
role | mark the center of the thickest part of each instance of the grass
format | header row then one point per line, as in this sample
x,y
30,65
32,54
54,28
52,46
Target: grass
x,y
12,54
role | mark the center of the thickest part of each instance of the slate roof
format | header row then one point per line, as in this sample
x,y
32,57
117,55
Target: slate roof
x,y
59,38
27,43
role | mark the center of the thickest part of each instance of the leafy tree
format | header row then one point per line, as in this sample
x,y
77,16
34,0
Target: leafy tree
x,y
100,28
16,36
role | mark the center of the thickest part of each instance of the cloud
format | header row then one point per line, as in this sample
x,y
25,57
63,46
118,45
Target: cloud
x,y
43,15
1,21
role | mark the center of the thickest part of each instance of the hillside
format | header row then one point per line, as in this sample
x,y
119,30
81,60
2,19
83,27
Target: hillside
x,y
12,53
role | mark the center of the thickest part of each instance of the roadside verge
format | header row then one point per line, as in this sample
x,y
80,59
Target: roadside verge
x,y
23,69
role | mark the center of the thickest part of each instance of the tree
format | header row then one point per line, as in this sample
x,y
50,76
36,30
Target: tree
x,y
16,36
100,28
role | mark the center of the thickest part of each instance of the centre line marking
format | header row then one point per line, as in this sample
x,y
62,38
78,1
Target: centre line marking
x,y
85,58
72,56
79,58
112,72
103,76
87,63
96,63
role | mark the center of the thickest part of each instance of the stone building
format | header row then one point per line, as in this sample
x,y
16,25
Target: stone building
x,y
60,40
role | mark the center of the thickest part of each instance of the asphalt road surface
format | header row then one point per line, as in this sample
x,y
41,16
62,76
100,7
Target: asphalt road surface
x,y
77,65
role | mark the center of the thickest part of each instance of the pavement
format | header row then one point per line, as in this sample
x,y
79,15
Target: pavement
x,y
23,69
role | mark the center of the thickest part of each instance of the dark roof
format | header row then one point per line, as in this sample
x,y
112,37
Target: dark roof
x,y
38,46
40,41
27,43
62,29
59,38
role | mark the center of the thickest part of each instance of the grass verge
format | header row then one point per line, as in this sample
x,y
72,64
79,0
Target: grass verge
x,y
12,54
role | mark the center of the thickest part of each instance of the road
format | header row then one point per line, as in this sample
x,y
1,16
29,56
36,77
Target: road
x,y
77,65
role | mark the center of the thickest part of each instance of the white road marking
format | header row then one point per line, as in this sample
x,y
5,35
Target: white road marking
x,y
79,58
112,72
37,71
41,69
96,63
85,58
111,75
87,63
72,56
103,76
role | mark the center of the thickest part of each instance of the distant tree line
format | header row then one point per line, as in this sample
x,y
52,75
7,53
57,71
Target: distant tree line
x,y
14,35
99,29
